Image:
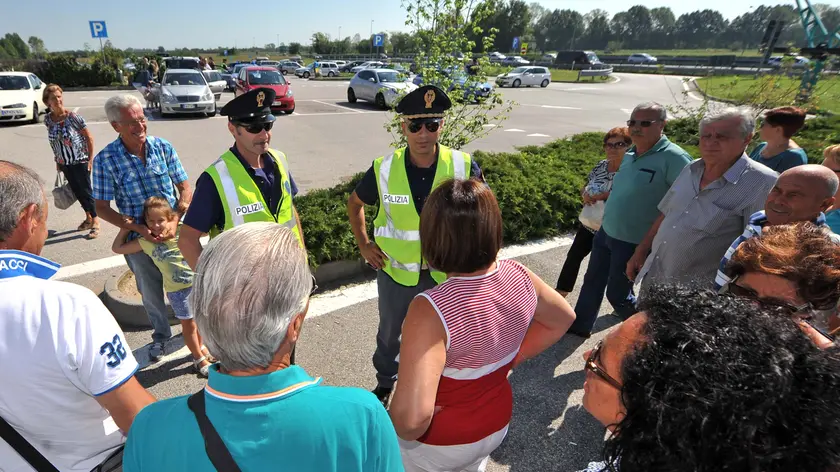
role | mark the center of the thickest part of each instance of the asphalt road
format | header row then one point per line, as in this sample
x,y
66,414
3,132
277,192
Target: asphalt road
x,y
327,140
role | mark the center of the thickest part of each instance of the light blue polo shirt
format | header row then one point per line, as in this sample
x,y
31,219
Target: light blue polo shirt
x,y
284,420
639,186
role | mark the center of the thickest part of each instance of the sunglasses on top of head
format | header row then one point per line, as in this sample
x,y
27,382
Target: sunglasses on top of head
x,y
431,126
642,123
255,128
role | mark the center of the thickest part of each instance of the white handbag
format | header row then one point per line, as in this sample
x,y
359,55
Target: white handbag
x,y
592,215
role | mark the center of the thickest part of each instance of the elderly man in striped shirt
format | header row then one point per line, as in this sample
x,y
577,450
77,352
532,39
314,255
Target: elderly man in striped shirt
x,y
707,207
802,193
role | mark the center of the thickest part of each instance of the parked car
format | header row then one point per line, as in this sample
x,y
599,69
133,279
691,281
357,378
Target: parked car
x,y
514,61
274,64
185,91
497,57
268,77
340,64
399,68
297,59
642,58
216,82
350,65
327,69
798,61
383,87
526,76
472,90
548,57
179,62
580,60
367,65
20,94
289,67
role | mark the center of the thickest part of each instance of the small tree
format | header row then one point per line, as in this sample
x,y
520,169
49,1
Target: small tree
x,y
294,48
443,29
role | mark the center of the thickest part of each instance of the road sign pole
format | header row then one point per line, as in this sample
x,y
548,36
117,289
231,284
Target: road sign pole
x,y
101,49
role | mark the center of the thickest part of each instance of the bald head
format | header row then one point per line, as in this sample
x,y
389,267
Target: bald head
x,y
800,194
23,209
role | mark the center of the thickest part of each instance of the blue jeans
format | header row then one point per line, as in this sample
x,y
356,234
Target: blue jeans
x,y
150,285
607,270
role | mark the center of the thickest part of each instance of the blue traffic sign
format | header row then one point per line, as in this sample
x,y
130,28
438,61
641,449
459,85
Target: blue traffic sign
x,y
515,46
98,29
378,40
225,52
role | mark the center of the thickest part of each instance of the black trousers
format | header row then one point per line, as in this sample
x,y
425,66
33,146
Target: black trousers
x,y
78,177
581,247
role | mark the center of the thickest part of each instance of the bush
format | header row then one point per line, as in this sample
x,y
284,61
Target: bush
x,y
68,72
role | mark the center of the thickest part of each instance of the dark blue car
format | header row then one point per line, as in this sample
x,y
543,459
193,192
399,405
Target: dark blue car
x,y
476,90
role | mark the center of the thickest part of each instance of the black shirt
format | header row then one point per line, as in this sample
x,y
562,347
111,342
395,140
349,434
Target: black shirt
x,y
420,182
206,210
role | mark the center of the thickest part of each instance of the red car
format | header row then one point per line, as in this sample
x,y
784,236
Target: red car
x,y
267,77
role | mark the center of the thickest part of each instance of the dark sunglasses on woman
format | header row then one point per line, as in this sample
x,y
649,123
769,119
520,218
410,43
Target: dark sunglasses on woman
x,y
256,128
431,126
618,145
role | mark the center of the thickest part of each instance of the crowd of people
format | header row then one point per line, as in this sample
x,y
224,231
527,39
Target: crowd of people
x,y
725,361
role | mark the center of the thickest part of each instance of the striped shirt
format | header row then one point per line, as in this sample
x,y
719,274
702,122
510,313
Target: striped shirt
x,y
600,179
757,222
68,144
485,318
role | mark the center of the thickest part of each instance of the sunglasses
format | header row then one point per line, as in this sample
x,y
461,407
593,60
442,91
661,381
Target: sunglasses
x,y
592,366
618,145
431,126
743,292
314,287
255,128
642,123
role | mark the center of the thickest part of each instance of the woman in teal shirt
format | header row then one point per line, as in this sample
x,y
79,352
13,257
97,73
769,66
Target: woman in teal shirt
x,y
831,159
778,151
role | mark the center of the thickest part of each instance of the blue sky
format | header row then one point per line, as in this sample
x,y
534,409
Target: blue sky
x,y
210,23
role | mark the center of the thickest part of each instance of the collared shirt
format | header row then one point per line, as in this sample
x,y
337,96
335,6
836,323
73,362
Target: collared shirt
x,y
59,348
281,420
207,210
757,222
637,188
700,225
121,176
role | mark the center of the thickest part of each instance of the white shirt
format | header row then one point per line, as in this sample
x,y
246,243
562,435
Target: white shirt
x,y
59,348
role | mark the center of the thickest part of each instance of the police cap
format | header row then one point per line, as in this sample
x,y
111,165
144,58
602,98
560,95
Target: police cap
x,y
251,107
427,101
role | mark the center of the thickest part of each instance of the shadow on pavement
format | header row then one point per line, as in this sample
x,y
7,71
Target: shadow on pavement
x,y
52,240
534,441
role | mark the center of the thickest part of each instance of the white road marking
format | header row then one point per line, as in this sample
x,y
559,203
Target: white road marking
x,y
515,130
337,106
577,89
490,125
354,112
560,108
538,135
691,93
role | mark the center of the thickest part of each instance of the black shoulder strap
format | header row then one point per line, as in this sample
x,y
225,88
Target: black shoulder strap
x,y
26,450
213,444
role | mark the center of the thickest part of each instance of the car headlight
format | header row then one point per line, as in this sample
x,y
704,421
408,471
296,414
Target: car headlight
x,y
289,93
207,96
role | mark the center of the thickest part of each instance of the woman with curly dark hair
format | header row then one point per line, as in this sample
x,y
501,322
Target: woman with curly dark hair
x,y
699,382
793,267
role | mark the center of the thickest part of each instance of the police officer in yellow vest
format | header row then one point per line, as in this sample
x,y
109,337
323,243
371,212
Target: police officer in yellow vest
x,y
399,183
249,182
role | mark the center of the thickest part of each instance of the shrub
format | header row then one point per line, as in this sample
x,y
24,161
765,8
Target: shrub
x,y
68,72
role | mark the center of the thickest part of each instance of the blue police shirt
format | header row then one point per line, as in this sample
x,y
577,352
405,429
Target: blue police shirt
x,y
206,210
284,420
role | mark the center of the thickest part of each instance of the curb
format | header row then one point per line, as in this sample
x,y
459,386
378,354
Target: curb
x,y
129,311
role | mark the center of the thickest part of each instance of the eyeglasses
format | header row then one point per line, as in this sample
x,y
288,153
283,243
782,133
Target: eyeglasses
x,y
255,128
592,366
642,123
137,122
743,292
314,287
618,145
431,126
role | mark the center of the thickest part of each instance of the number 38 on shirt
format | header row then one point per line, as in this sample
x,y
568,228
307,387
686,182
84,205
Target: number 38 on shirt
x,y
113,351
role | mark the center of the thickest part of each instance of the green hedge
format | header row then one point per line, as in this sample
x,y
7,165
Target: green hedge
x,y
68,72
538,187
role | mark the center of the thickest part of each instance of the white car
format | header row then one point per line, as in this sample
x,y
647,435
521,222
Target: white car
x,y
216,82
515,61
642,58
367,65
526,76
185,91
20,94
798,61
383,87
497,57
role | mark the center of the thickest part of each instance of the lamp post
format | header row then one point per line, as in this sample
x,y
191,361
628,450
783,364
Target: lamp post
x,y
338,41
371,38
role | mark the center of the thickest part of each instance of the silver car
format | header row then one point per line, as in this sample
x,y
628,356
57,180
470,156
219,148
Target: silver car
x,y
367,65
185,91
525,76
289,67
383,87
216,82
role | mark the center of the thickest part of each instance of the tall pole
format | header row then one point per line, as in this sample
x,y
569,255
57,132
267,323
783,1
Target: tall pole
x,y
371,38
277,45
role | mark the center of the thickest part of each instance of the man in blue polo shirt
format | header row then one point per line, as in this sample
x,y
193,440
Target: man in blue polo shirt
x,y
649,168
257,411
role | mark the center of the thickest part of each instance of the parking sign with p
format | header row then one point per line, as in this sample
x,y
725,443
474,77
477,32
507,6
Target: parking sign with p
x,y
98,29
378,40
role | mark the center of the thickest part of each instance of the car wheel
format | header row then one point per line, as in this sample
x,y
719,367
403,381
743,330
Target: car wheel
x,y
330,74
351,95
289,112
212,113
517,83
380,101
283,72
544,83
306,75
36,114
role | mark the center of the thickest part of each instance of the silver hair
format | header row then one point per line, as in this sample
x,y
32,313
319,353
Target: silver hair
x,y
250,282
651,106
743,114
19,187
116,104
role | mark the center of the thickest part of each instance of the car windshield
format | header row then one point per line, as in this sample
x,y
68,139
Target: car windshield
x,y
592,57
519,70
183,78
265,77
13,82
386,77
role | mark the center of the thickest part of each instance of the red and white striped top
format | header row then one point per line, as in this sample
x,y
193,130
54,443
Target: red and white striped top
x,y
485,318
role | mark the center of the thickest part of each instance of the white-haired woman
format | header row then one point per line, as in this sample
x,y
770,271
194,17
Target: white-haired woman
x,y
250,296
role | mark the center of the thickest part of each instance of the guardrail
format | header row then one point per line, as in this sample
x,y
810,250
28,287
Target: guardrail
x,y
594,73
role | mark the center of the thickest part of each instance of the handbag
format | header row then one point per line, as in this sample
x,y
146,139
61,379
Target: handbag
x,y
63,196
592,215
